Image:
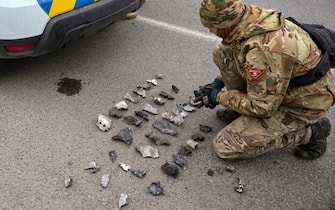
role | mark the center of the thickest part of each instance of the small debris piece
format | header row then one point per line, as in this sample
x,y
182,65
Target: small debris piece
x,y
177,120
166,129
159,76
124,135
230,169
142,114
140,91
170,169
157,139
159,100
148,108
155,188
195,104
103,123
92,167
205,128
210,172
219,170
68,182
240,186
114,112
166,95
198,137
193,144
112,155
125,167
123,200
180,161
122,105
105,180
175,89
138,173
178,111
185,150
153,81
147,151
188,108
130,98
131,15
131,120
145,86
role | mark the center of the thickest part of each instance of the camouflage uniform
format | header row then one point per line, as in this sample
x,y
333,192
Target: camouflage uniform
x,y
257,60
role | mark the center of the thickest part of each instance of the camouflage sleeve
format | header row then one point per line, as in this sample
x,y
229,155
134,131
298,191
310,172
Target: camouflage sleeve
x,y
267,77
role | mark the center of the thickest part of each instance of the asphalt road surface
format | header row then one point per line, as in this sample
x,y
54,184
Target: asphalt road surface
x,y
46,135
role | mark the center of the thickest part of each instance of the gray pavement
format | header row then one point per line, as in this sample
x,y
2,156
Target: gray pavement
x,y
46,136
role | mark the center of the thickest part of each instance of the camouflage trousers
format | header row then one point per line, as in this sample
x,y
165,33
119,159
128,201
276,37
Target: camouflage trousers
x,y
248,137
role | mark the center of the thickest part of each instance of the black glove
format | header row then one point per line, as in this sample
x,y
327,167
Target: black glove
x,y
207,94
218,84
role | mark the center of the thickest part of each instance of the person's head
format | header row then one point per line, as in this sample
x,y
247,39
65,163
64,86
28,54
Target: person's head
x,y
220,16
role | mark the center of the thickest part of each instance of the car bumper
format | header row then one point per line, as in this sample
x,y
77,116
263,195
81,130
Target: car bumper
x,y
71,26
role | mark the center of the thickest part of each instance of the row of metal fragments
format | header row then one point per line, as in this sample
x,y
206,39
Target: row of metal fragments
x,y
176,117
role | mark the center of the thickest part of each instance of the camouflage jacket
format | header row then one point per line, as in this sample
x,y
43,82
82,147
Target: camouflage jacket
x,y
268,51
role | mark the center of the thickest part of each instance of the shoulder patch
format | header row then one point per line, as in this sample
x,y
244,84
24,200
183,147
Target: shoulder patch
x,y
255,73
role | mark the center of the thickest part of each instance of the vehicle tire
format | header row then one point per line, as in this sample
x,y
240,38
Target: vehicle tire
x,y
2,65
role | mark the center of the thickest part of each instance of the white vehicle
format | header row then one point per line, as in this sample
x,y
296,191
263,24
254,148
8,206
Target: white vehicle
x,y
34,27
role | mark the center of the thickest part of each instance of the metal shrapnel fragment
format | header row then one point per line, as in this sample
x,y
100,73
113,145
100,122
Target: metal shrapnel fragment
x,y
114,112
148,108
159,100
153,81
193,144
240,186
188,108
122,105
123,200
166,95
180,160
103,123
147,151
177,120
92,167
157,139
145,86
159,76
142,114
112,155
178,111
185,150
140,91
166,129
175,89
132,120
230,169
124,135
198,137
130,98
155,188
219,170
125,167
138,173
205,128
105,180
195,104
170,169
68,182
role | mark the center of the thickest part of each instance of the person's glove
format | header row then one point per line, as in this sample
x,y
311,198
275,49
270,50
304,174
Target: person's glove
x,y
217,84
207,94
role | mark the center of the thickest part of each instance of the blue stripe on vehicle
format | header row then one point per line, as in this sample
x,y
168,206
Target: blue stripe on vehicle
x,y
45,5
81,3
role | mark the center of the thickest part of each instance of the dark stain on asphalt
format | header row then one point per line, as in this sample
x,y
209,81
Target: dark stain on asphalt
x,y
69,86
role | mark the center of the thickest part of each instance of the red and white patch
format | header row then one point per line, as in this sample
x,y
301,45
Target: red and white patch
x,y
255,73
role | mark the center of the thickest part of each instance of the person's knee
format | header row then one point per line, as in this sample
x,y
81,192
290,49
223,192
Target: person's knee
x,y
226,151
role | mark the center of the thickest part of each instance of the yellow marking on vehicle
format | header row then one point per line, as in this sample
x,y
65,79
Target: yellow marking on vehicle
x,y
61,6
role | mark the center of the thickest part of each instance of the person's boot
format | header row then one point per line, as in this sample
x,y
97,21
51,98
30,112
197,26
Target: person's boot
x,y
317,145
227,115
